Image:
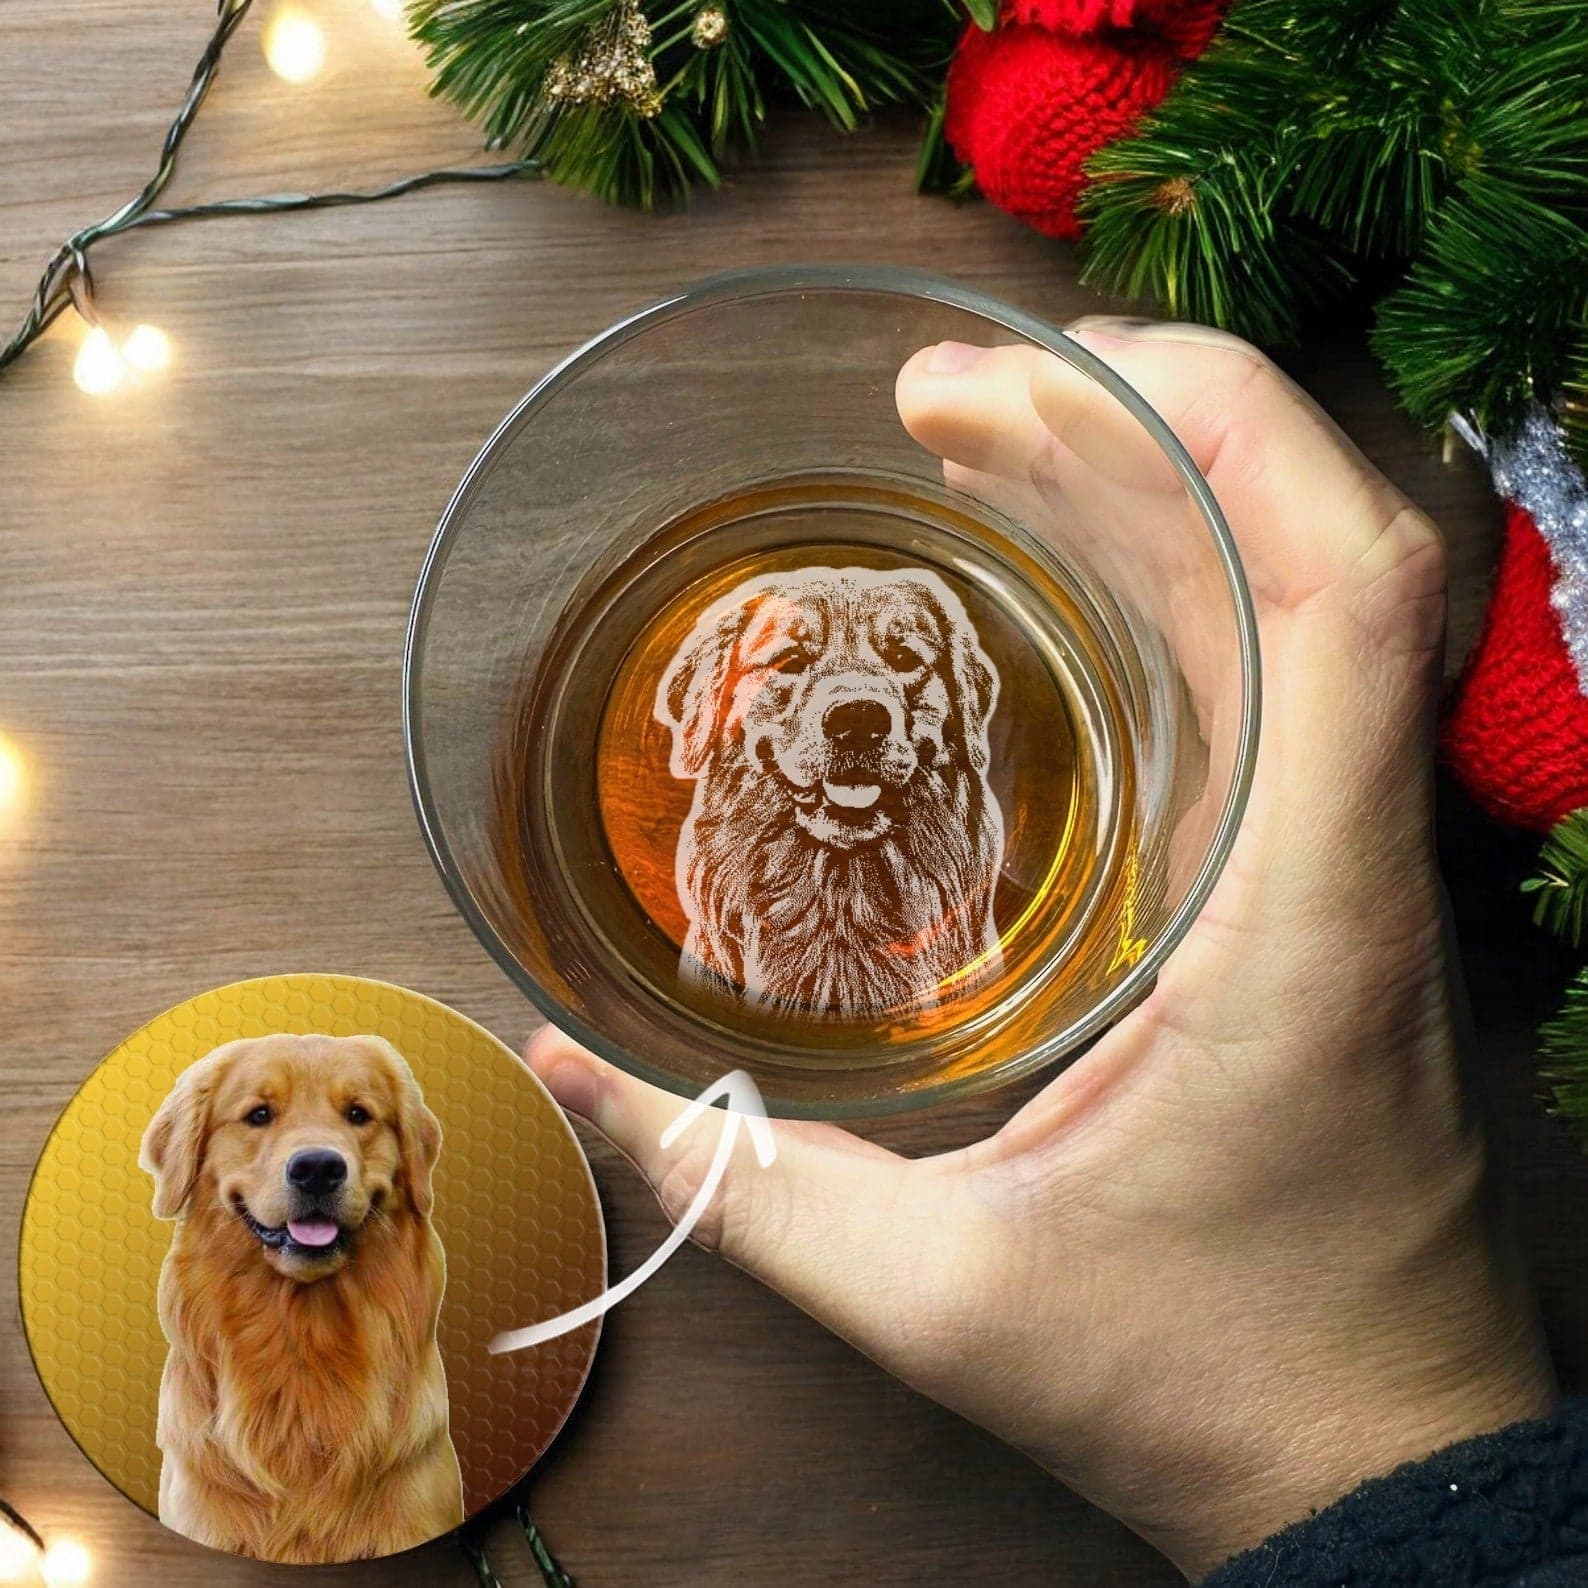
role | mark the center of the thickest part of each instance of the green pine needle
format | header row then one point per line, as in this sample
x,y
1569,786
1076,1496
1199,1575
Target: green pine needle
x,y
1573,405
1560,886
1563,1042
492,57
1318,143
938,170
1202,243
1481,323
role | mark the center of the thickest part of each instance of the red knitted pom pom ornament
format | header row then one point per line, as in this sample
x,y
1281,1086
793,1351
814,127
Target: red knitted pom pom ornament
x,y
1184,25
1032,100
1027,107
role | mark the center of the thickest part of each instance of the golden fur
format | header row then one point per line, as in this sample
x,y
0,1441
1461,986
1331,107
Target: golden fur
x,y
303,1408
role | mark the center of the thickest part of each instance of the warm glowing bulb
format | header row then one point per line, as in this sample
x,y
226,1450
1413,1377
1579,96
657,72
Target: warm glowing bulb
x,y
13,779
147,349
65,1564
294,46
99,367
18,1553
390,9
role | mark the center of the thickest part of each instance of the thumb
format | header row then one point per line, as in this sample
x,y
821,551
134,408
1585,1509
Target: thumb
x,y
821,1224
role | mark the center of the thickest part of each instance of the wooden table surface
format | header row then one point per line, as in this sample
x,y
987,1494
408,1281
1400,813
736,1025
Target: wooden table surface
x,y
203,587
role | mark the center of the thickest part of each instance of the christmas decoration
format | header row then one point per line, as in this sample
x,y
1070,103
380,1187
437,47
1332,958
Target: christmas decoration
x,y
551,1573
637,106
613,66
1436,148
1027,103
295,49
709,28
1432,154
1437,153
24,1554
630,104
1517,734
1026,108
1560,890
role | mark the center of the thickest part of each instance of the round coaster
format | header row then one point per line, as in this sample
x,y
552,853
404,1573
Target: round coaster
x,y
266,1248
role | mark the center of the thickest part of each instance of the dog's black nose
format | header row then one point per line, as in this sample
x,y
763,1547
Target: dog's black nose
x,y
856,722
316,1170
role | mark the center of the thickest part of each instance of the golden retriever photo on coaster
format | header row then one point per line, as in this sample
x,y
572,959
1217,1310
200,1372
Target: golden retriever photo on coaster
x,y
303,1407
842,849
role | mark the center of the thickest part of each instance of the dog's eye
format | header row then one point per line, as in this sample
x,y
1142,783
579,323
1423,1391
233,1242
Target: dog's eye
x,y
357,1114
903,658
790,662
258,1116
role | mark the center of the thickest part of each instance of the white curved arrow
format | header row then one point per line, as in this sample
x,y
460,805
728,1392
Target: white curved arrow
x,y
743,1105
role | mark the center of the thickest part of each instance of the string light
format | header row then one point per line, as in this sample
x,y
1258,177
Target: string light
x,y
17,1556
392,10
295,48
66,1563
21,1548
294,45
99,367
13,784
147,349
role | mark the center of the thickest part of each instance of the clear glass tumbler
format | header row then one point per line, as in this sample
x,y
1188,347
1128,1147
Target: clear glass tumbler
x,y
746,733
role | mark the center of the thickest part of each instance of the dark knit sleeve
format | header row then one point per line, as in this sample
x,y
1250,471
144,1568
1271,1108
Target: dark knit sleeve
x,y
1510,1508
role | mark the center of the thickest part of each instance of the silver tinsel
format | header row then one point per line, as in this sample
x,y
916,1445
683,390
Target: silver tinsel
x,y
1535,471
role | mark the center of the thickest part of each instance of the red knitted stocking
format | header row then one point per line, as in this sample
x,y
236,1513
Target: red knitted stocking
x,y
1518,733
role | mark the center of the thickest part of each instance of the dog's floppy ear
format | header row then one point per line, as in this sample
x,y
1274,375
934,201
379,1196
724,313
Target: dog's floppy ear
x,y
690,697
975,681
418,1133
173,1146
421,1144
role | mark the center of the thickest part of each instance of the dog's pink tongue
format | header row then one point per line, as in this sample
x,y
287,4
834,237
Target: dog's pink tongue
x,y
312,1232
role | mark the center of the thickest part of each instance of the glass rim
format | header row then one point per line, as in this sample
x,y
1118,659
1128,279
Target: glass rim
x,y
736,286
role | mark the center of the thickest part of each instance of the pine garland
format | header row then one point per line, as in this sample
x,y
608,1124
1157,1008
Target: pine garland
x,y
1564,1044
1320,146
1560,891
639,105
1561,884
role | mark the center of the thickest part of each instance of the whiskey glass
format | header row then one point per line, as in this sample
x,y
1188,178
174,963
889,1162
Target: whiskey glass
x,y
746,734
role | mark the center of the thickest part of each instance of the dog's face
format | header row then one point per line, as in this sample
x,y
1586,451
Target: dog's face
x,y
839,684
300,1140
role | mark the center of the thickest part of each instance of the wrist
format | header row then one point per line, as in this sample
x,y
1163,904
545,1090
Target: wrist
x,y
1324,1444
1507,1505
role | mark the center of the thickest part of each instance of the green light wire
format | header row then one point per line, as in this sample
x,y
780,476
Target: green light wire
x,y
67,281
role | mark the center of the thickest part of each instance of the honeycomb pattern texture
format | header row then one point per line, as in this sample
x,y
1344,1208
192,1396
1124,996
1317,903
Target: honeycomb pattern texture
x,y
516,1209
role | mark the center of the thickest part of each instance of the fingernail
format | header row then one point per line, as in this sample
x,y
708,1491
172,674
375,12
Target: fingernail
x,y
1110,330
953,358
1090,336
1123,324
573,1084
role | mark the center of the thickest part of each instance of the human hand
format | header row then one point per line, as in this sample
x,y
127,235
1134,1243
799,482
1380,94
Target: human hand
x,y
1241,1254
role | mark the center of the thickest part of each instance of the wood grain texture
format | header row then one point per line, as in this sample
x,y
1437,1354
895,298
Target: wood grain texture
x,y
203,588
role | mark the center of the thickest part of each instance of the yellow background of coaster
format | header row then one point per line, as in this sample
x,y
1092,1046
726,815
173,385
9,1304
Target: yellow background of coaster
x,y
516,1209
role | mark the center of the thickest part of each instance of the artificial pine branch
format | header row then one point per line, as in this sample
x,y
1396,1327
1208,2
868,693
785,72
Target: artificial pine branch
x,y
1447,137
1560,890
638,103
1194,212
1564,1043
938,169
1573,405
1482,322
1560,885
